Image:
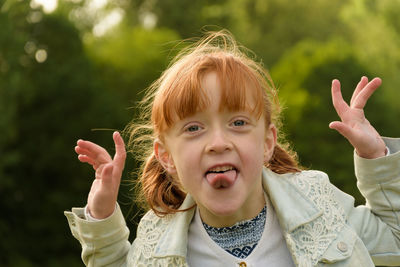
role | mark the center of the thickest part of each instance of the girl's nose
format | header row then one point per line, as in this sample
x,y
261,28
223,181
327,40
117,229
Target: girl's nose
x,y
218,142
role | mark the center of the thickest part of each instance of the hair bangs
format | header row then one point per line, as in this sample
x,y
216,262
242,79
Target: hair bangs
x,y
188,97
239,83
181,97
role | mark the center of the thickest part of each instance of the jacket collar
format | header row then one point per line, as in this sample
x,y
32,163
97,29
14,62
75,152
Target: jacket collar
x,y
173,241
292,207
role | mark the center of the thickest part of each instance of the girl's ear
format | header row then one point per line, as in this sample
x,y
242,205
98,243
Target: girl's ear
x,y
164,157
270,142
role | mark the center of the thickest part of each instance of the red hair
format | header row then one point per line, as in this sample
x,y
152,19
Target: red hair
x,y
178,93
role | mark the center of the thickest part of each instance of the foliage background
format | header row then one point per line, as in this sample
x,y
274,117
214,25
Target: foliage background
x,y
76,70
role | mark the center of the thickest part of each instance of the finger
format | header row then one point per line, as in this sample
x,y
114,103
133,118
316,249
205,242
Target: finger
x,y
362,98
92,147
337,98
361,84
86,156
120,152
86,159
82,151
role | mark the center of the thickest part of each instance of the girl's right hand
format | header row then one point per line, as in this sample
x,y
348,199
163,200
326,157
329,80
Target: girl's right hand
x,y
104,191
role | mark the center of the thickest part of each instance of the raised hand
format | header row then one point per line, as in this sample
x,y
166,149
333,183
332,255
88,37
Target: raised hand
x,y
353,125
104,191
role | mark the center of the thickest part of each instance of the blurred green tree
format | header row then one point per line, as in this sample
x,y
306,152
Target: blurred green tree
x,y
271,28
50,96
130,58
186,17
374,31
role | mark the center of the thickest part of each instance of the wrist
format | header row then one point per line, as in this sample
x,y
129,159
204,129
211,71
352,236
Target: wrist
x,y
93,216
375,155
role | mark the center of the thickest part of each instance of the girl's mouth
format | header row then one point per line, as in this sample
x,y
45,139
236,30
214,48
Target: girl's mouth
x,y
221,176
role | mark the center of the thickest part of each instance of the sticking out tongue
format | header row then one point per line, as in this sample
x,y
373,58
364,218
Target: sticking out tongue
x,y
221,179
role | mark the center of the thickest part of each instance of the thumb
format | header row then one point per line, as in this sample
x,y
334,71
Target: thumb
x,y
120,152
343,129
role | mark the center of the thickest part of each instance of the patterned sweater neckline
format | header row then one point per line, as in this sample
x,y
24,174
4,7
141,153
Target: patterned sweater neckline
x,y
241,238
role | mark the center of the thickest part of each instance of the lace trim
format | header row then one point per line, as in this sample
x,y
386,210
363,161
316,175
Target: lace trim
x,y
149,232
310,241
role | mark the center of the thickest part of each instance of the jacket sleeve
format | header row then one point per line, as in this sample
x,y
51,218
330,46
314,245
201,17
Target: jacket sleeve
x,y
378,221
105,242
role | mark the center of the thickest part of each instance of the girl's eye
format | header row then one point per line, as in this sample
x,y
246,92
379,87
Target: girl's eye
x,y
193,128
239,123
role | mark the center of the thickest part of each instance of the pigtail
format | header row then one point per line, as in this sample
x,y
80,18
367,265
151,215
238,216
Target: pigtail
x,y
162,194
283,161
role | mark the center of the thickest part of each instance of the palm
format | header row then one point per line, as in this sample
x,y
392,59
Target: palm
x,y
353,125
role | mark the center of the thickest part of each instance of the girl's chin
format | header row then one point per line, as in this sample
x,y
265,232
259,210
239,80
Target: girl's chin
x,y
225,202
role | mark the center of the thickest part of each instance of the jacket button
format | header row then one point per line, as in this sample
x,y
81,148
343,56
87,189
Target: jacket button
x,y
242,264
342,246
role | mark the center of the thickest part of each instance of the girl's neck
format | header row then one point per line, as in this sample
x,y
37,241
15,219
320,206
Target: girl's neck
x,y
249,210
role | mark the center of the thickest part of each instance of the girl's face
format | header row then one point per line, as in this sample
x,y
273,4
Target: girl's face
x,y
218,158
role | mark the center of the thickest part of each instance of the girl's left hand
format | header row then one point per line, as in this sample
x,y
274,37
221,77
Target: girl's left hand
x,y
353,125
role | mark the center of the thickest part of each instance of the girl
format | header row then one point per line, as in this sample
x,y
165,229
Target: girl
x,y
222,191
